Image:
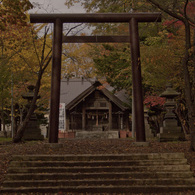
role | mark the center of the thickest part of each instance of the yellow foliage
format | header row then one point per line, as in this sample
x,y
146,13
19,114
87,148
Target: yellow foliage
x,y
76,60
23,50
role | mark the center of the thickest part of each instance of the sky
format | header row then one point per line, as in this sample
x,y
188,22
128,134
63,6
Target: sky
x,y
55,6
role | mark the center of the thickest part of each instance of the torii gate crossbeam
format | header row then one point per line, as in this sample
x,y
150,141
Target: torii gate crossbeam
x,y
133,19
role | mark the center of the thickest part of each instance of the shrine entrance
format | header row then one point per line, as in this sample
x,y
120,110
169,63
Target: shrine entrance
x,y
133,19
97,120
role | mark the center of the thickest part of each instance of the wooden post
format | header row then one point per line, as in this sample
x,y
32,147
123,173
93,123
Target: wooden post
x,y
110,115
71,122
83,117
137,81
55,82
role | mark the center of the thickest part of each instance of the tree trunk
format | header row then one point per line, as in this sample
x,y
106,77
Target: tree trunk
x,y
23,125
3,121
192,122
188,87
15,126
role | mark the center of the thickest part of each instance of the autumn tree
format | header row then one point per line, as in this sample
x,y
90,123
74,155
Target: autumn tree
x,y
13,12
38,60
27,55
146,30
112,63
184,11
76,61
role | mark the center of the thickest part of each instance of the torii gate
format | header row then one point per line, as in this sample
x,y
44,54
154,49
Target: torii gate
x,y
133,19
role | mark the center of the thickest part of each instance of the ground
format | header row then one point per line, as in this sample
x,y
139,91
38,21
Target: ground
x,y
76,146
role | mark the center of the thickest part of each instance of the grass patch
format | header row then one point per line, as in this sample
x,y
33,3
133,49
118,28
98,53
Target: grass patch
x,y
3,139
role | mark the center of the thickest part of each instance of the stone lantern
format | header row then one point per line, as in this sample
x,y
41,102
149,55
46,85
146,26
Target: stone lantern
x,y
32,131
171,130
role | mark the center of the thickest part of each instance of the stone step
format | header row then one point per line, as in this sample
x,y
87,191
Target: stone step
x,y
98,163
108,169
105,182
97,134
101,189
99,157
107,173
103,175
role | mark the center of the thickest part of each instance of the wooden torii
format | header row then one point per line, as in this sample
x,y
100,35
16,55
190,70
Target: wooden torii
x,y
133,19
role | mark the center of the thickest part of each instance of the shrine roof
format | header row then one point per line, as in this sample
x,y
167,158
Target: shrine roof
x,y
74,90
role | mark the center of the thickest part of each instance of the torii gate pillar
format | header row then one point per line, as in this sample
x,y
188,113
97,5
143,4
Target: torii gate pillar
x,y
137,81
132,19
55,82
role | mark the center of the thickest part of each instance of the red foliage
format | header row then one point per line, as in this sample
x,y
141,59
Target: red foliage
x,y
191,9
153,100
174,25
172,22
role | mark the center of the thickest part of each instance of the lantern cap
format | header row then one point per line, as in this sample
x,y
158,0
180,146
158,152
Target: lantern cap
x,y
169,92
30,94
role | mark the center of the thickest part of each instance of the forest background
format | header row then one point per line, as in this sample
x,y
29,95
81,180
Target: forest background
x,y
167,54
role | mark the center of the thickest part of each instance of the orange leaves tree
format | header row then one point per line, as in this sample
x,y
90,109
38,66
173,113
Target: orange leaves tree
x,y
13,12
27,54
76,61
34,58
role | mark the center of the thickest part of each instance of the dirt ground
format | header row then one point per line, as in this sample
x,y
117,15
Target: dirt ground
x,y
103,146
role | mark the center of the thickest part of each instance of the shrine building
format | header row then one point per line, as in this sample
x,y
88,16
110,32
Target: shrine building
x,y
91,106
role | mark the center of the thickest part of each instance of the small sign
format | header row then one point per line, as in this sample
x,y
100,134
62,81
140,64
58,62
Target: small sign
x,y
62,117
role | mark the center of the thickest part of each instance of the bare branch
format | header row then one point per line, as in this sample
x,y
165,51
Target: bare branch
x,y
44,44
49,53
185,8
166,10
47,63
73,28
35,47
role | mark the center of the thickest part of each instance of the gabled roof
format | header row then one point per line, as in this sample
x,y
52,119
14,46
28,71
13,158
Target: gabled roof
x,y
114,99
71,88
74,90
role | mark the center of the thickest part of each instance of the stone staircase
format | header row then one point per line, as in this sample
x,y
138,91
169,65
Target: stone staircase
x,y
124,173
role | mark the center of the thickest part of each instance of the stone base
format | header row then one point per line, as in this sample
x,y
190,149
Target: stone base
x,y
33,132
54,145
2,134
97,134
171,133
140,144
168,137
9,134
66,134
123,134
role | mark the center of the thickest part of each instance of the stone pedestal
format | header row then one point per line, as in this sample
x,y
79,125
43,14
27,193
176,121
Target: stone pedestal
x,y
32,131
66,134
97,134
171,132
123,134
